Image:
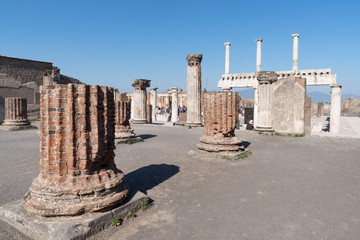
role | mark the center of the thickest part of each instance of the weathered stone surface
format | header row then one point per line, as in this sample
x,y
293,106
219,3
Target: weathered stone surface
x,y
139,99
194,58
220,117
350,106
60,228
288,108
194,90
267,77
16,112
307,116
78,173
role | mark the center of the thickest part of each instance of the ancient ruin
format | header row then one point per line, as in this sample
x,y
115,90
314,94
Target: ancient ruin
x,y
194,90
220,117
174,105
314,77
16,112
77,169
153,102
138,101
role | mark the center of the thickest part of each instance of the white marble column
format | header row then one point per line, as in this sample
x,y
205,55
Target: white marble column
x,y
153,102
227,57
132,109
295,52
335,108
256,105
258,54
139,98
193,115
174,104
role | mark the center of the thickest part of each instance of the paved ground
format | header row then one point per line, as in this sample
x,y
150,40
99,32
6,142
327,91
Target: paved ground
x,y
289,188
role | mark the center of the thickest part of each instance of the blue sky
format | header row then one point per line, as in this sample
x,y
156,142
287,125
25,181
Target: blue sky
x,y
114,42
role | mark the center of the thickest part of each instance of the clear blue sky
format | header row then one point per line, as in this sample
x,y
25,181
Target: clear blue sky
x,y
114,42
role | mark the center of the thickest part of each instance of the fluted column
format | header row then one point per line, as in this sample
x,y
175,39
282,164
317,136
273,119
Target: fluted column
x,y
16,112
77,169
258,54
335,108
194,90
220,117
174,104
227,57
153,102
139,100
295,52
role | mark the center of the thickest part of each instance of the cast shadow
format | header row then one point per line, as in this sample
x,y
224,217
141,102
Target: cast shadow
x,y
146,136
160,124
145,178
245,144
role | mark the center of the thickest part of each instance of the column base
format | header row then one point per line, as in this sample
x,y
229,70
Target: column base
x,y
193,124
139,121
16,122
124,134
264,128
213,144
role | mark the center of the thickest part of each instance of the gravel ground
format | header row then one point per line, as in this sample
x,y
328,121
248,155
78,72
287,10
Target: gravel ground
x,y
289,188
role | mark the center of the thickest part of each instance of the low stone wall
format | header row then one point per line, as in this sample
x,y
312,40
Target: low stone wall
x,y
163,117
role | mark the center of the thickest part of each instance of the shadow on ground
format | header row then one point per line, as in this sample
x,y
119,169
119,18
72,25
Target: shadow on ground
x,y
245,144
146,136
145,178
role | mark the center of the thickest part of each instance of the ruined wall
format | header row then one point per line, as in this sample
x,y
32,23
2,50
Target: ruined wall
x,y
288,105
350,106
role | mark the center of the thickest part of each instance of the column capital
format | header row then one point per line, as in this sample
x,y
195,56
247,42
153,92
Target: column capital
x,y
154,88
336,86
259,39
194,58
295,35
267,77
141,83
174,89
227,44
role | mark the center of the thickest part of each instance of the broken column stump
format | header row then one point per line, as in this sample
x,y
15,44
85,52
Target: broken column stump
x,y
16,112
220,117
77,169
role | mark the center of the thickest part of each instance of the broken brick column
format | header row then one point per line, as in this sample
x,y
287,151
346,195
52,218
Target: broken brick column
x,y
77,169
122,120
139,98
220,117
16,112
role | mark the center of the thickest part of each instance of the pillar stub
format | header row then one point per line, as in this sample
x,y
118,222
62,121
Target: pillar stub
x,y
141,83
259,40
194,59
265,77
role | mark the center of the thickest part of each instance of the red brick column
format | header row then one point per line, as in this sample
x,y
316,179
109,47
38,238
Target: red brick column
x,y
220,117
16,112
77,169
122,120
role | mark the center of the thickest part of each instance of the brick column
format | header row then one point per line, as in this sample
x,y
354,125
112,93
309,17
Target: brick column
x,y
122,120
194,90
220,117
77,169
16,112
139,100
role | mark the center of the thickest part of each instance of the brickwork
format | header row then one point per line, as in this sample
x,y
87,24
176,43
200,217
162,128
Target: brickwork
x,y
77,169
122,120
16,112
220,117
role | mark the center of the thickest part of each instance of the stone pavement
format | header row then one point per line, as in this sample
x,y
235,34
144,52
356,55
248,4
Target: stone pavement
x,y
289,188
349,127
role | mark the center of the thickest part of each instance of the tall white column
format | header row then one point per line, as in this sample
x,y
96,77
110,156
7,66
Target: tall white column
x,y
335,108
139,98
193,115
227,57
258,54
132,109
174,104
295,51
153,99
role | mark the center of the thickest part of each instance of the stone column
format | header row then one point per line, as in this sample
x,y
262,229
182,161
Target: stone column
x,y
16,112
194,90
227,57
220,117
132,110
307,116
256,105
139,100
174,104
153,102
335,108
265,96
258,54
77,169
167,100
295,51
